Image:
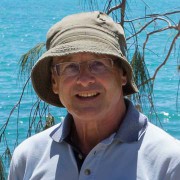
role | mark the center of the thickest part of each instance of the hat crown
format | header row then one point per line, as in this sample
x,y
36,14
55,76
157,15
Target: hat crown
x,y
93,20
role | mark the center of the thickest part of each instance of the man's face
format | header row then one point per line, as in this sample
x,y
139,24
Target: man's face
x,y
86,94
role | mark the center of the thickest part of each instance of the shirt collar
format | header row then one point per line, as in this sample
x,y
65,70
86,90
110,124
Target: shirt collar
x,y
131,129
63,130
133,125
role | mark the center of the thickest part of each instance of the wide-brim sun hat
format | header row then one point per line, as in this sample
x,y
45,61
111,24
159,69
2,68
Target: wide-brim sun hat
x,y
93,32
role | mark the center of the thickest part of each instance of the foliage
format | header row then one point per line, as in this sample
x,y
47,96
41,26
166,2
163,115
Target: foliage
x,y
2,170
6,157
28,59
40,117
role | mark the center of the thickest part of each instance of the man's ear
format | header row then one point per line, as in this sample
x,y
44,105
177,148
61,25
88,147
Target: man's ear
x,y
124,78
54,83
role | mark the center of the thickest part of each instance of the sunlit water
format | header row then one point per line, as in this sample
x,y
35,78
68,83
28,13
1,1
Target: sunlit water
x,y
23,24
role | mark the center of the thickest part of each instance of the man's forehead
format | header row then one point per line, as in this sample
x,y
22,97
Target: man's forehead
x,y
79,57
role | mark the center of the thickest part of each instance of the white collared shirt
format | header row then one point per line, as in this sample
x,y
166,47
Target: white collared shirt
x,y
137,151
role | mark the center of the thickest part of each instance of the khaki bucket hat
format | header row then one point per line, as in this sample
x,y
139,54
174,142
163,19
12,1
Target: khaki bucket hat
x,y
93,32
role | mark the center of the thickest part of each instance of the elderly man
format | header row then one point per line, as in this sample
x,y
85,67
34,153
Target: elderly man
x,y
103,136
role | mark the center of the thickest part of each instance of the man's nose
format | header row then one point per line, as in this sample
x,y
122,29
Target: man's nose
x,y
85,77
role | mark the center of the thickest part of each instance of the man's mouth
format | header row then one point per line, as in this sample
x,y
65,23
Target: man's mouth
x,y
87,94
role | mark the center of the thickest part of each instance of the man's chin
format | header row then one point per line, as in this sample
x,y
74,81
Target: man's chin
x,y
87,112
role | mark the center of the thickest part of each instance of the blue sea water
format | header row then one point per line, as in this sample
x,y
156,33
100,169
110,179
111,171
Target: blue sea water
x,y
23,24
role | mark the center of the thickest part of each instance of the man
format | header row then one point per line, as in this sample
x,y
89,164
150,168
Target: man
x,y
103,136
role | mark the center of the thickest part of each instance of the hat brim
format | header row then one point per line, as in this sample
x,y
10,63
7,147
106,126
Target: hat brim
x,y
41,72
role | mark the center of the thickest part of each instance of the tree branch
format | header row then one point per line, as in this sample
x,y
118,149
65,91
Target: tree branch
x,y
119,6
3,128
163,63
152,15
147,24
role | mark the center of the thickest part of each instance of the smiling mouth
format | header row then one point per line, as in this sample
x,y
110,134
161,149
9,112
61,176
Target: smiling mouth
x,y
87,95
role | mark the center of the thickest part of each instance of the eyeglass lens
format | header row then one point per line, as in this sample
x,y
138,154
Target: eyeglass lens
x,y
73,68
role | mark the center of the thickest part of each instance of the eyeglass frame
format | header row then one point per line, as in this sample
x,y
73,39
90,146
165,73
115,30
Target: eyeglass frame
x,y
113,62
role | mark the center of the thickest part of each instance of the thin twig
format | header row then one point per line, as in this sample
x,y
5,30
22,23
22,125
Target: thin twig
x,y
147,24
15,106
167,56
115,8
163,63
152,15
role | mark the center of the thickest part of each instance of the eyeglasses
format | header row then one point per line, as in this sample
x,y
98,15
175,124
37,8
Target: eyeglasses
x,y
97,66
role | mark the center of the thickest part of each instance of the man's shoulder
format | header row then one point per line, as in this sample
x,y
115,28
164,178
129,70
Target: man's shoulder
x,y
159,133
160,149
159,140
37,141
30,152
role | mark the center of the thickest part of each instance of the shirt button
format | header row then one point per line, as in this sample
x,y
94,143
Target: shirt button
x,y
87,171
